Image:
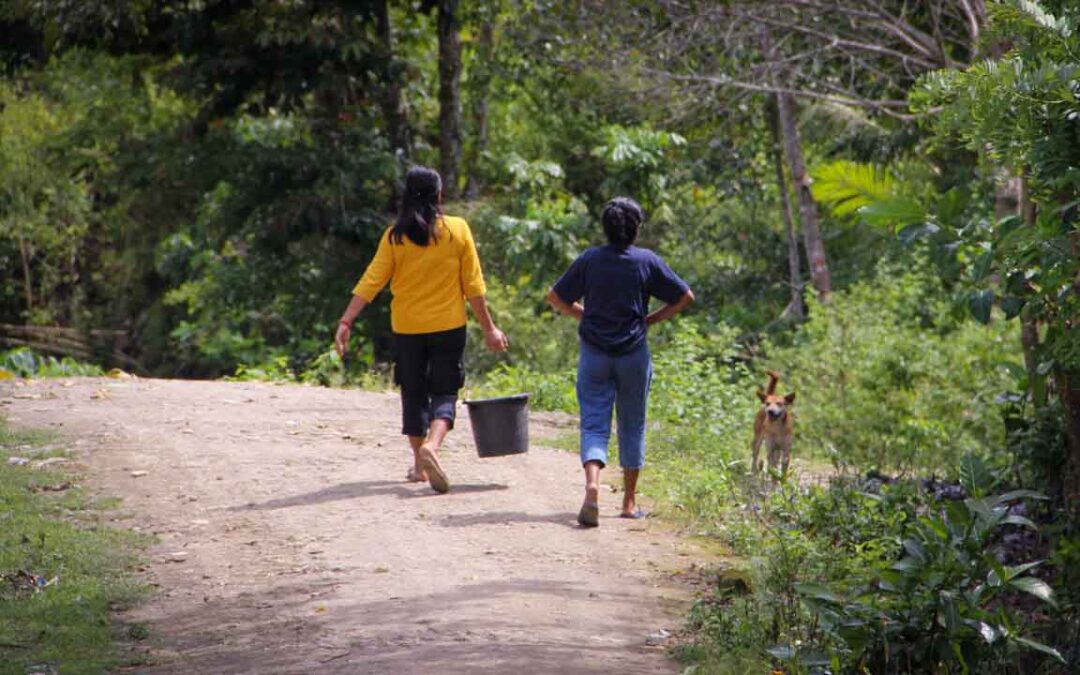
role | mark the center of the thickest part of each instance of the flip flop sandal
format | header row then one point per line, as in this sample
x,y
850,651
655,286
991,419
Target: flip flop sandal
x,y
636,515
415,477
436,477
589,515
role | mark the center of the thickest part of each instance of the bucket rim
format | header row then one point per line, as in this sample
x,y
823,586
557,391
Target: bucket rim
x,y
516,398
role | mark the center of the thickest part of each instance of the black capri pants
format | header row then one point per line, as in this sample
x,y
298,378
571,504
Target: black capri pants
x,y
430,370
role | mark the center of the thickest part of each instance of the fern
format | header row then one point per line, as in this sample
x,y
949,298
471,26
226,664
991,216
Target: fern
x,y
867,191
850,186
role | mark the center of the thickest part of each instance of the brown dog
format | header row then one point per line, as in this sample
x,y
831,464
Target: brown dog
x,y
774,426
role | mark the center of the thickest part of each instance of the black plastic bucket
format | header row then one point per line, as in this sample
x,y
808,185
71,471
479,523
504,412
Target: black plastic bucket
x,y
500,425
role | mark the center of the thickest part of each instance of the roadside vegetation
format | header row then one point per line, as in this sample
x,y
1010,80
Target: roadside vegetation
x,y
63,569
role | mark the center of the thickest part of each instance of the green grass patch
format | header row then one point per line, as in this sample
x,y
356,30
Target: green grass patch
x,y
58,537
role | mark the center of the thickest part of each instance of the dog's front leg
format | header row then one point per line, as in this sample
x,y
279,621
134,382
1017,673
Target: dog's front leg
x,y
754,466
774,451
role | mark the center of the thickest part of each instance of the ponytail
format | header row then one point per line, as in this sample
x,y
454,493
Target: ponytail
x,y
418,219
622,218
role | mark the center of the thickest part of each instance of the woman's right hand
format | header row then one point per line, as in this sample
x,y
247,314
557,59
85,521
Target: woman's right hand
x,y
341,339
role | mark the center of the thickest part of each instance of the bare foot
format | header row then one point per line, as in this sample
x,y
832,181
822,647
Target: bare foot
x,y
589,515
592,493
416,475
429,462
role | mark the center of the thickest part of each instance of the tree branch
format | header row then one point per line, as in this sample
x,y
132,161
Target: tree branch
x,y
888,107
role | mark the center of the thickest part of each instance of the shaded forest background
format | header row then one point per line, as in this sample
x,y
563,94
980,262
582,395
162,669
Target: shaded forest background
x,y
878,198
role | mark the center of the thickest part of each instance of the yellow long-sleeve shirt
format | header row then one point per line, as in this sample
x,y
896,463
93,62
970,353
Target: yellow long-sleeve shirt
x,y
429,283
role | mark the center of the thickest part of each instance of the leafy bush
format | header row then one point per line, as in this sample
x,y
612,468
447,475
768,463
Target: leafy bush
x,y
846,580
940,607
888,378
23,362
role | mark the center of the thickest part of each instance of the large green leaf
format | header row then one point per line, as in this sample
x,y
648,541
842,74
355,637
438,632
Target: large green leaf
x,y
1012,305
1037,587
817,592
1018,494
981,302
974,475
894,212
850,186
911,233
1039,647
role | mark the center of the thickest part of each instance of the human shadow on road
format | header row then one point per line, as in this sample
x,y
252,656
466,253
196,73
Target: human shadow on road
x,y
507,517
457,489
361,489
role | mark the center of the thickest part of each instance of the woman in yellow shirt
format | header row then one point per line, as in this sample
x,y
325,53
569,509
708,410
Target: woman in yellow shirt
x,y
431,263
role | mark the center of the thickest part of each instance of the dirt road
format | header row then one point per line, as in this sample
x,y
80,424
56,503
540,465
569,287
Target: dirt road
x,y
289,541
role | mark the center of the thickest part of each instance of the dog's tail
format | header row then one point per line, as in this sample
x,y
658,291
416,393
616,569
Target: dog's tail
x,y
774,377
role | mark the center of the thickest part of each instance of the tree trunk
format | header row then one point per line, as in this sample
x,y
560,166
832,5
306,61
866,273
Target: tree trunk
x,y
815,248
795,308
1014,194
482,77
1068,390
393,105
24,252
449,96
1068,386
1007,197
1029,340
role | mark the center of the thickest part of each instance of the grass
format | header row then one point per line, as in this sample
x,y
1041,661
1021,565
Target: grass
x,y
66,626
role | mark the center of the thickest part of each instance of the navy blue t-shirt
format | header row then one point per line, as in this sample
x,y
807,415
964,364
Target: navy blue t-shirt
x,y
615,285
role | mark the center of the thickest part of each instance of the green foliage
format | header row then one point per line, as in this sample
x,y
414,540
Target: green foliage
x,y
792,537
867,191
861,576
43,208
64,540
700,412
939,606
886,377
24,362
637,162
541,228
547,391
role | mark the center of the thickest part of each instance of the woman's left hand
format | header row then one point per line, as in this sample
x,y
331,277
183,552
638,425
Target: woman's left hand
x,y
496,340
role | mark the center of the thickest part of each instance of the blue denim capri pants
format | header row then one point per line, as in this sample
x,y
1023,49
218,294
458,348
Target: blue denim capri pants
x,y
622,381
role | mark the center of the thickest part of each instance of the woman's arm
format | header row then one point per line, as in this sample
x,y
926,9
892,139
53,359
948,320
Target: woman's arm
x,y
575,310
344,329
668,311
495,338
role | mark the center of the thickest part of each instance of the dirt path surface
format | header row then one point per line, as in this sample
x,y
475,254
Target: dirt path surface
x,y
289,541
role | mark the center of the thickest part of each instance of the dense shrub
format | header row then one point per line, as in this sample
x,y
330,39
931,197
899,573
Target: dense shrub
x,y
887,377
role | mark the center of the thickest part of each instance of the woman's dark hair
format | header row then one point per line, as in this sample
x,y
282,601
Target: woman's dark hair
x,y
419,207
622,219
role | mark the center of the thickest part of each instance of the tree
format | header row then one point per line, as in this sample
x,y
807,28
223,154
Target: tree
x,y
449,28
480,79
393,104
1018,111
795,307
815,248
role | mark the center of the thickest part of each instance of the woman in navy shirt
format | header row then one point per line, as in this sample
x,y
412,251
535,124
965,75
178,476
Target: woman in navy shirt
x,y
607,289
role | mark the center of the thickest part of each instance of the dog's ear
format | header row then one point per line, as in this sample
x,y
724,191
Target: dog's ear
x,y
789,399
761,395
